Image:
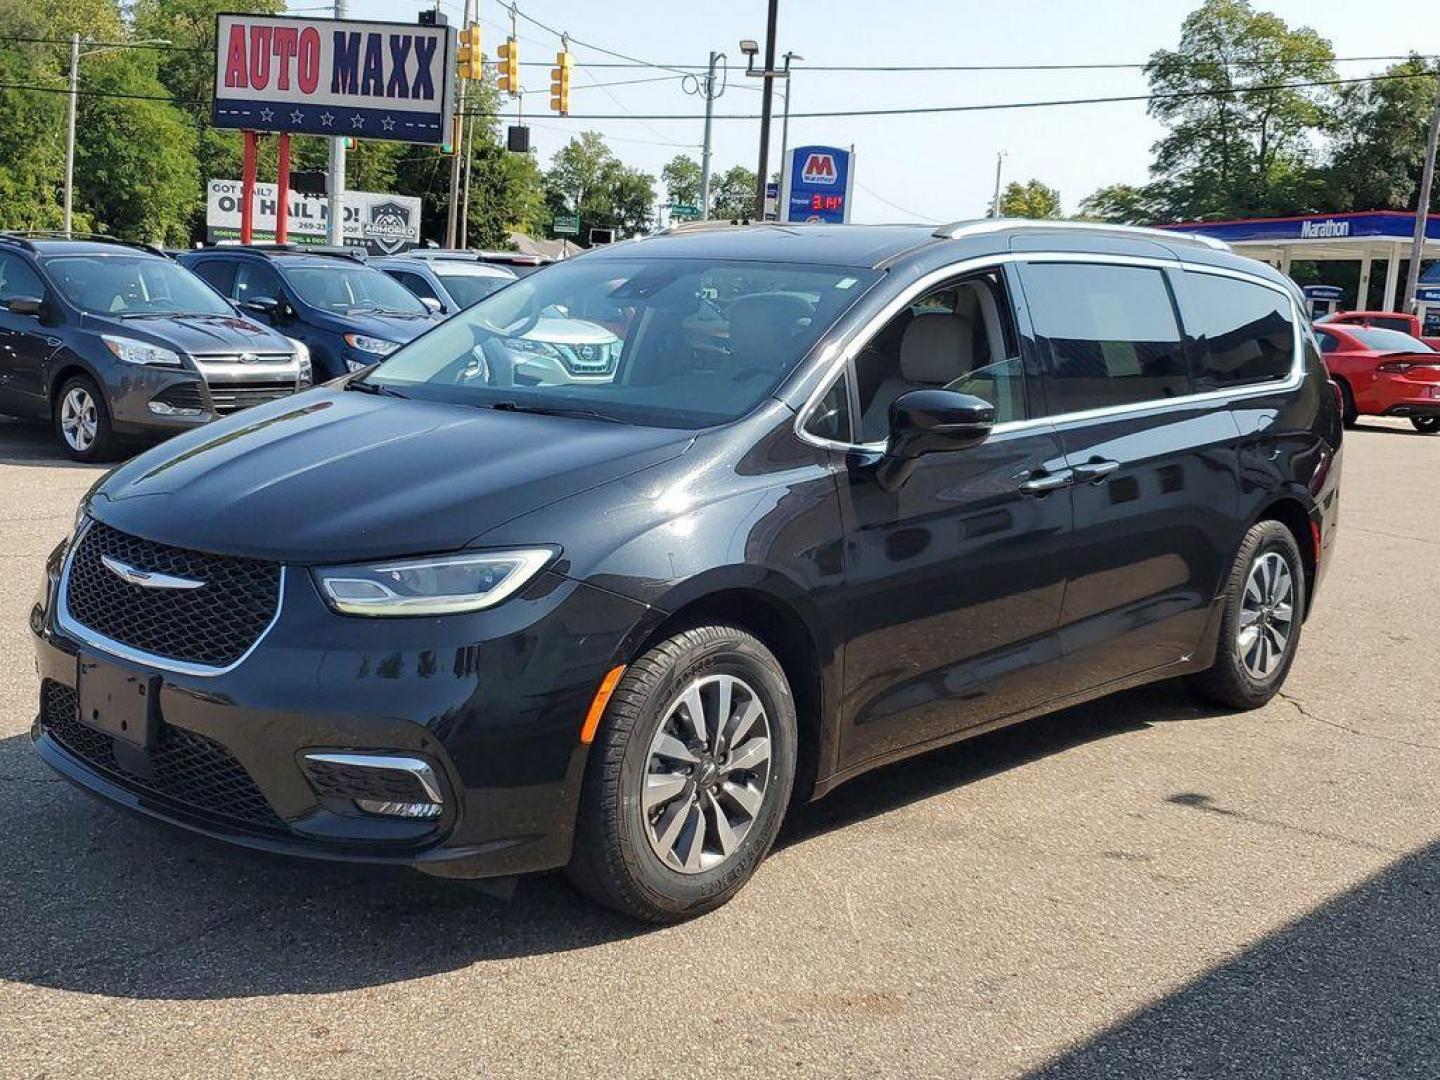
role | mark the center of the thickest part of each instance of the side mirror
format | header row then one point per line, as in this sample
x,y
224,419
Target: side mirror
x,y
263,305
26,305
931,421
433,304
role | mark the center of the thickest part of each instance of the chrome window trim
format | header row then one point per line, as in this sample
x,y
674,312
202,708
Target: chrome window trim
x,y
417,767
93,638
929,281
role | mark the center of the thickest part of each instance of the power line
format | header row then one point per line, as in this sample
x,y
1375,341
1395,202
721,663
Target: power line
x,y
894,206
679,70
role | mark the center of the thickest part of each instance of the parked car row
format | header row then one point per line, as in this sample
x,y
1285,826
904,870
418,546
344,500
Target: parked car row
x,y
113,342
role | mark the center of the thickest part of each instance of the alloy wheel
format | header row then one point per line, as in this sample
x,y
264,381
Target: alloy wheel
x,y
1267,614
79,419
707,773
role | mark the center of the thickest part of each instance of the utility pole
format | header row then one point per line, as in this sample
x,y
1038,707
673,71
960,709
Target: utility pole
x,y
999,162
767,99
70,129
335,226
705,149
785,120
1422,204
457,132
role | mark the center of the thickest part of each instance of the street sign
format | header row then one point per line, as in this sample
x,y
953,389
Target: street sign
x,y
371,80
682,212
565,225
818,182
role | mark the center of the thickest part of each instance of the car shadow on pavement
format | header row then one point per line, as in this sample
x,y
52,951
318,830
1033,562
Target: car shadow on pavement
x,y
1349,990
98,900
34,443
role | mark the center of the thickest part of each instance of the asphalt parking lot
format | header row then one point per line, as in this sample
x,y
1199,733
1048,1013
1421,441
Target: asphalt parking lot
x,y
1141,887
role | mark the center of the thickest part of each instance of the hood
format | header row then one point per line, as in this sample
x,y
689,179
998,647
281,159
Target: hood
x,y
569,332
198,335
400,328
333,476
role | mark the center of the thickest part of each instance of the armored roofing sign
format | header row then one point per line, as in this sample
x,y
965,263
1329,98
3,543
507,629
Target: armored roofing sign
x,y
368,80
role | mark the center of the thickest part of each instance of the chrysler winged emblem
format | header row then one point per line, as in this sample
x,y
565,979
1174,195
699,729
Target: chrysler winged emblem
x,y
147,579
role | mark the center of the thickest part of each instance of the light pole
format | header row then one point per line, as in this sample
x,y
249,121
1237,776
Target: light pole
x,y
785,120
767,99
75,55
1422,207
999,162
710,95
335,219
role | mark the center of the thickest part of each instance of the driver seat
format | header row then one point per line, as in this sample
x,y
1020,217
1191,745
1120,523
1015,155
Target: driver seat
x,y
935,350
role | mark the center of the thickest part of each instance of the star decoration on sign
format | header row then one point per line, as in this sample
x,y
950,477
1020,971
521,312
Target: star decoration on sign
x,y
327,119
387,123
266,115
357,121
297,116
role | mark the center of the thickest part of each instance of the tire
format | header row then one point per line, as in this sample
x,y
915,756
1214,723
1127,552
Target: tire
x,y
82,421
1241,678
1349,414
1426,425
625,857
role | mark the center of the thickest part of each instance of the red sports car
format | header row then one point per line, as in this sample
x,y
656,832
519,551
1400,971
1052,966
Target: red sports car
x,y
1383,373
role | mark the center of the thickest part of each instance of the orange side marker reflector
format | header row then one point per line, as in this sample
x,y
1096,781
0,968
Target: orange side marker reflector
x,y
597,707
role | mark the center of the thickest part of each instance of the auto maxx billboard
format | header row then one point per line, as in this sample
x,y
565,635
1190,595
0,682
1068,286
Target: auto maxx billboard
x,y
382,224
369,80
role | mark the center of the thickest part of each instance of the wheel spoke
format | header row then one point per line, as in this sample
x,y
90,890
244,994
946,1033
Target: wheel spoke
x,y
691,861
1277,640
1247,639
747,719
724,834
660,788
749,755
667,829
695,710
1253,590
1284,613
746,797
667,746
725,690
1249,617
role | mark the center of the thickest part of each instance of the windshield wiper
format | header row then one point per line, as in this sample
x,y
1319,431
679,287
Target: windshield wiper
x,y
373,388
555,410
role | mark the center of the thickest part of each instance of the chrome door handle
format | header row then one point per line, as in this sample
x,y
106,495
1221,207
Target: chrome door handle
x,y
1095,471
1046,482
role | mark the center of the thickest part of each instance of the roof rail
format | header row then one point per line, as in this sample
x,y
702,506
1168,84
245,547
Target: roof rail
x,y
349,251
958,229
17,240
28,235
439,253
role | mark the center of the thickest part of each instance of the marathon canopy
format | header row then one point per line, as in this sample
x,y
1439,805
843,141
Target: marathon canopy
x,y
1356,237
369,80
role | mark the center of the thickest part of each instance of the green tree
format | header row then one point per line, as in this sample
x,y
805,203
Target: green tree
x,y
732,194
1121,204
1380,131
1245,147
580,173
681,177
1031,199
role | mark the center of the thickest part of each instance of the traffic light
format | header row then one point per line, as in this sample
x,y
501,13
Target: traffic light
x,y
449,148
469,61
510,67
560,82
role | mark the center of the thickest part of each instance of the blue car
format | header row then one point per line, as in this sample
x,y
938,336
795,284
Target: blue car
x,y
347,313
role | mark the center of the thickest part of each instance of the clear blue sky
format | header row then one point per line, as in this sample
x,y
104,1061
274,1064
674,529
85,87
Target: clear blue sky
x,y
928,167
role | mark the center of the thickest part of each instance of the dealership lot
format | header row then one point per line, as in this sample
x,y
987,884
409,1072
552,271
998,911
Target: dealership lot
x,y
1140,887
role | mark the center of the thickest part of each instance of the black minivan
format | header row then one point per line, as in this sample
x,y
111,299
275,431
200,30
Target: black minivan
x,y
854,492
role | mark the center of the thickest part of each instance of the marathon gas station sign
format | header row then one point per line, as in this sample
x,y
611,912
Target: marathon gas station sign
x,y
1373,225
367,80
818,181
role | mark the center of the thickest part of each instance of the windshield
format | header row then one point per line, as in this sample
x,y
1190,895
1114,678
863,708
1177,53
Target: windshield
x,y
133,285
346,289
665,341
470,288
1386,341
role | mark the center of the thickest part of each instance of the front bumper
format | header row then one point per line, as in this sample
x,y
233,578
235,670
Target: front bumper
x,y
173,400
492,701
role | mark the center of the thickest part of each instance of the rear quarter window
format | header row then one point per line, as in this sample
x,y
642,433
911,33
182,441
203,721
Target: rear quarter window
x,y
1241,333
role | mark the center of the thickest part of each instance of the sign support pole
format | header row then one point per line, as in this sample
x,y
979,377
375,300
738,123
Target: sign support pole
x,y
247,191
1422,205
282,192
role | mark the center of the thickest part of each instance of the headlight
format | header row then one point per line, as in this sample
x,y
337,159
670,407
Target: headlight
x,y
442,585
302,357
133,351
373,345
540,348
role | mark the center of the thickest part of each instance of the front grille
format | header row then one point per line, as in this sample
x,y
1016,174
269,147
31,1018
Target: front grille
x,y
186,768
232,397
214,625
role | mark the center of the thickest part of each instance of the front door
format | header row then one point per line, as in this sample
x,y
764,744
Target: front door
x,y
955,577
25,343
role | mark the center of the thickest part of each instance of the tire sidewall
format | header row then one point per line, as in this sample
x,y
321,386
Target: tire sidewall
x,y
1270,536
692,893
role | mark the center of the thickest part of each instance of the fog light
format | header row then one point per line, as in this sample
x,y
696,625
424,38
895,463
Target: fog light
x,y
389,785
164,408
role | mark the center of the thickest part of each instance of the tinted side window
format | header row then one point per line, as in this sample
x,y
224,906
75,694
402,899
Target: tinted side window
x,y
1243,333
17,279
414,282
219,274
1328,342
1110,332
255,279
